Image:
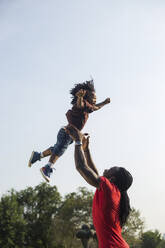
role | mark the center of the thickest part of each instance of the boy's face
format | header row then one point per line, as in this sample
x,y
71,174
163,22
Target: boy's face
x,y
91,97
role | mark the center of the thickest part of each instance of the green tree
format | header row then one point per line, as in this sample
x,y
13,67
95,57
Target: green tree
x,y
161,244
75,210
151,239
40,205
39,217
133,229
12,223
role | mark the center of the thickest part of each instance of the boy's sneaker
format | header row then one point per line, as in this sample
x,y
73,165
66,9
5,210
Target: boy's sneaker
x,y
46,172
35,156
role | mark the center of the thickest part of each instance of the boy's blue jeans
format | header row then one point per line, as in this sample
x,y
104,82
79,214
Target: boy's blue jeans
x,y
63,141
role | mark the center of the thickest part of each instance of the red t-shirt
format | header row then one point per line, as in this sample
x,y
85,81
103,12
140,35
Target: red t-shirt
x,y
79,116
106,215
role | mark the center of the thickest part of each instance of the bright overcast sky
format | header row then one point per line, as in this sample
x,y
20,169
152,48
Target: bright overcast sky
x,y
48,46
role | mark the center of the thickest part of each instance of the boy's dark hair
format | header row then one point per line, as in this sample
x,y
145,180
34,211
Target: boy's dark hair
x,y
88,86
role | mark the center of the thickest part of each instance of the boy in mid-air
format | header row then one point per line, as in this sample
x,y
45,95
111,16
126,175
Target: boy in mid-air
x,y
84,102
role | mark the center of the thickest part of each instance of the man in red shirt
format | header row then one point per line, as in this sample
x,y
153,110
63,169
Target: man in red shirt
x,y
111,205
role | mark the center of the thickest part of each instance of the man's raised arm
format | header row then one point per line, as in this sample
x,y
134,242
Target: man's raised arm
x,y
80,161
81,165
85,145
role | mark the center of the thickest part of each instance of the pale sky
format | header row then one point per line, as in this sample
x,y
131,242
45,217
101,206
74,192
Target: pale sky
x,y
48,46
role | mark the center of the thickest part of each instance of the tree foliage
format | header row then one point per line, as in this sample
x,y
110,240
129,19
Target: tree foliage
x,y
151,239
12,223
133,229
161,244
39,217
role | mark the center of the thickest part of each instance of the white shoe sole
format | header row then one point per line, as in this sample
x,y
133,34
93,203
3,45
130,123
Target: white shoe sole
x,y
46,178
30,164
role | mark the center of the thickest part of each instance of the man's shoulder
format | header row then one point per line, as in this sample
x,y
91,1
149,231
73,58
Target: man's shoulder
x,y
105,181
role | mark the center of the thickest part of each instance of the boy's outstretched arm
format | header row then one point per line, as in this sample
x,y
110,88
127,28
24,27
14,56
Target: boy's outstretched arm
x,y
101,104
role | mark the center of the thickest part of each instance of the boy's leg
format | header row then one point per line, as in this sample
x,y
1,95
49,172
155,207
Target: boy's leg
x,y
63,141
36,156
47,170
46,153
53,158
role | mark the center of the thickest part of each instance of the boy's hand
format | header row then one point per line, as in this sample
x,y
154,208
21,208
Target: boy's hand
x,y
81,93
74,133
85,141
107,100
